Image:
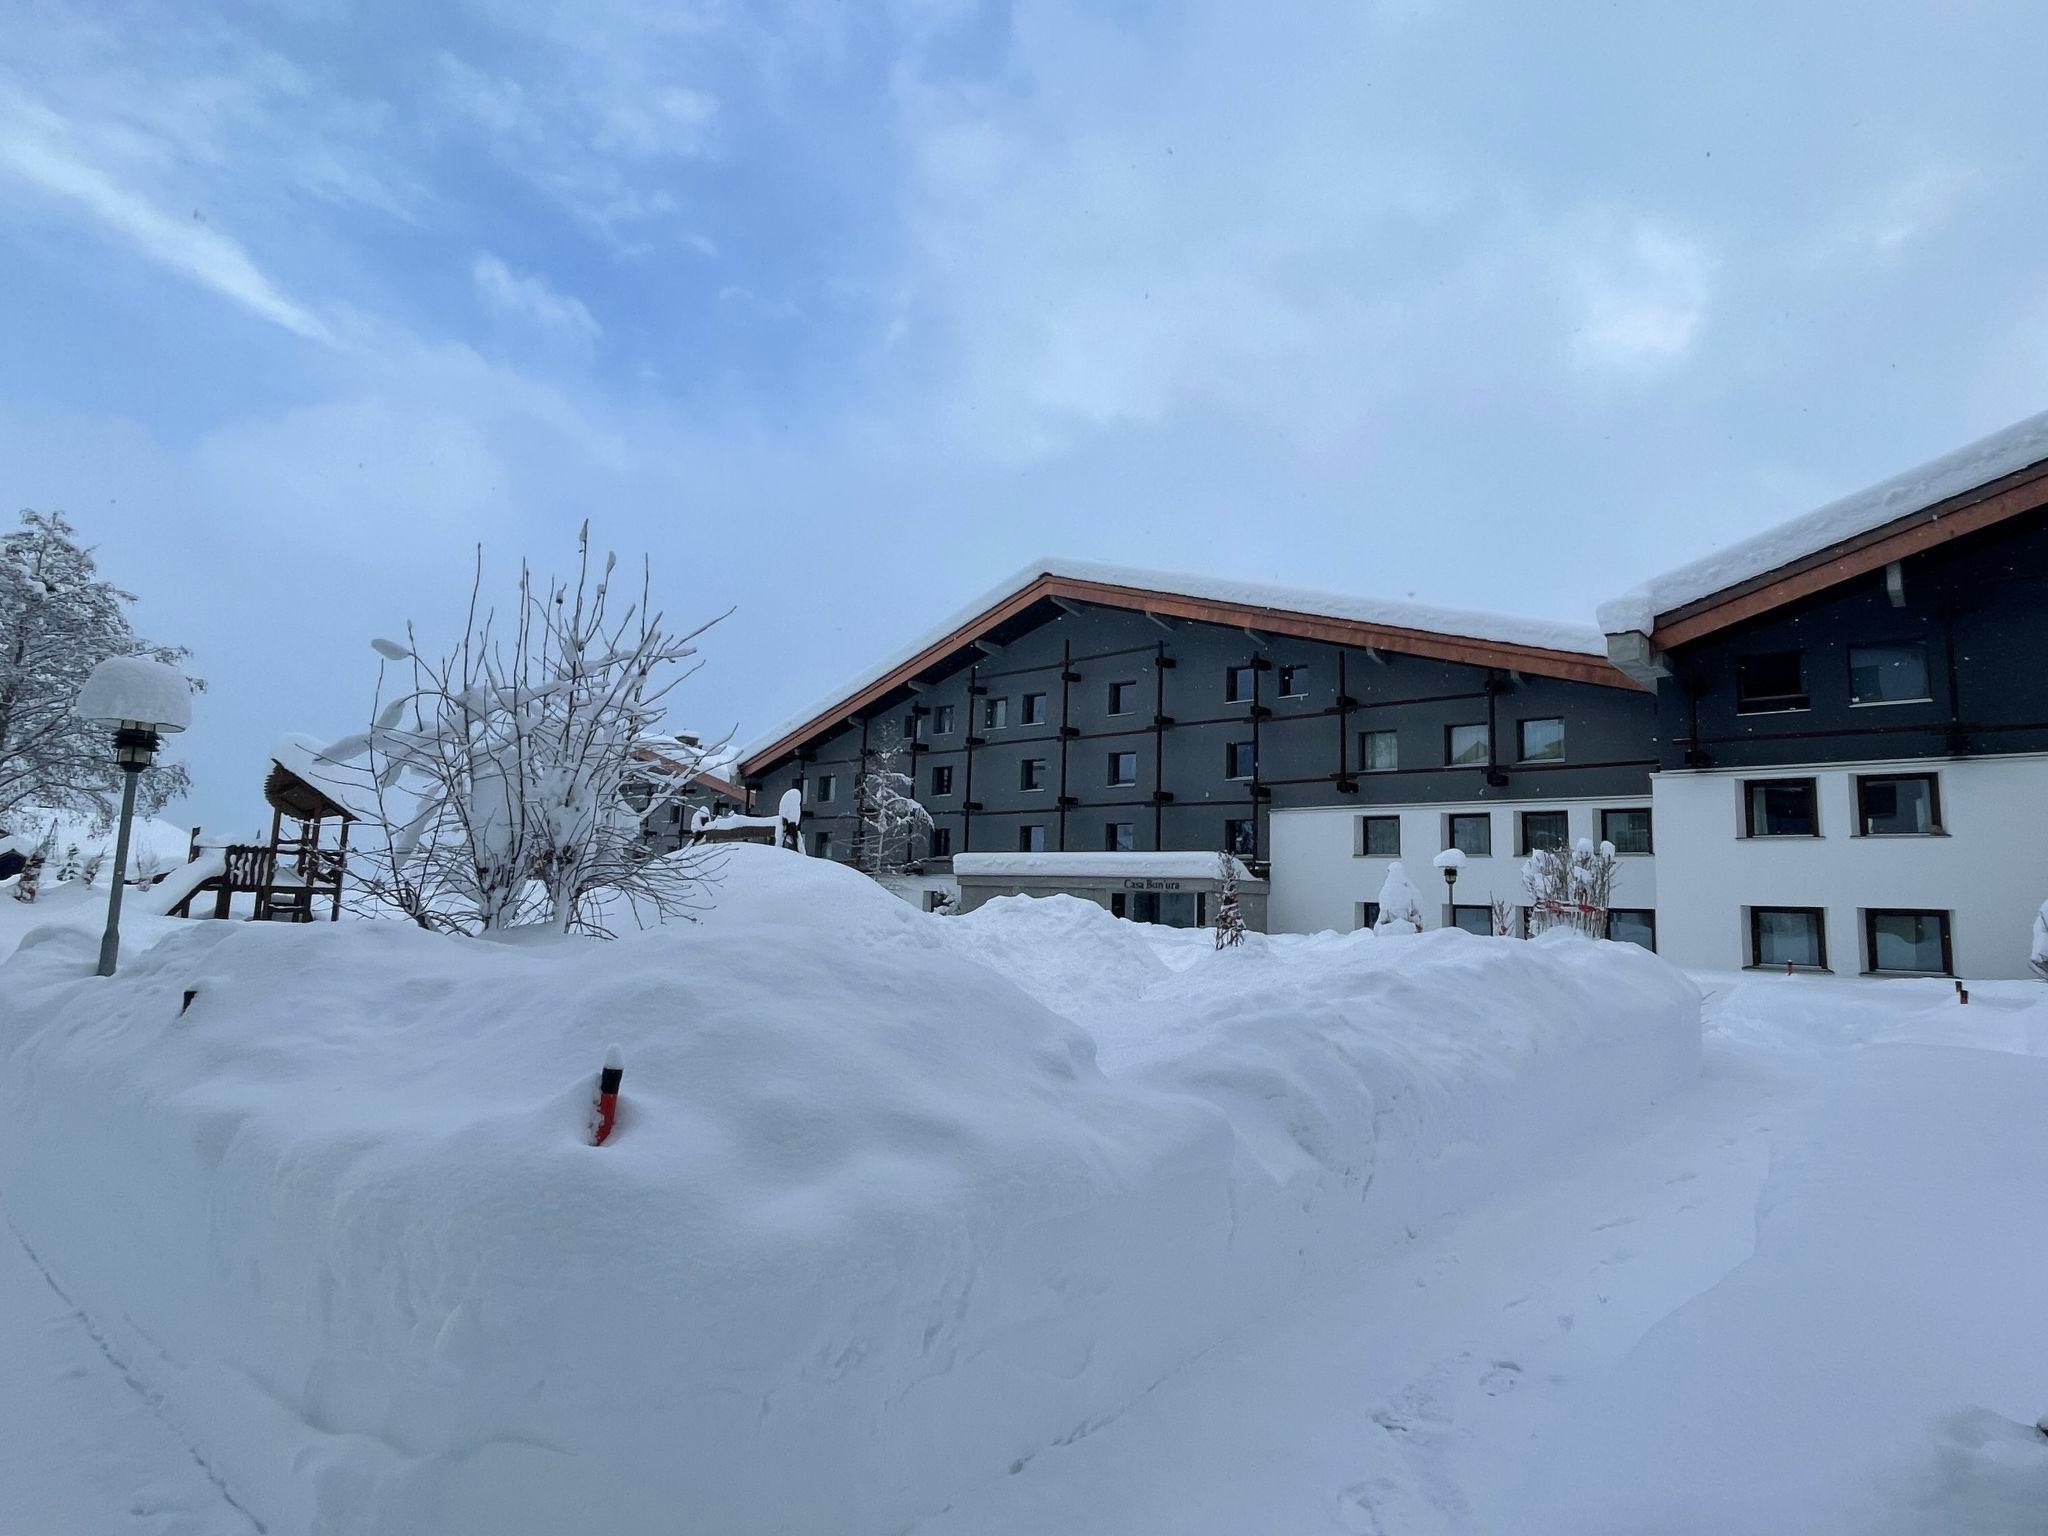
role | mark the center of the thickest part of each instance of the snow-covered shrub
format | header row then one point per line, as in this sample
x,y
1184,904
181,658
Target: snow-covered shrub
x,y
2038,956
1229,916
27,887
1400,903
1571,890
890,819
1503,917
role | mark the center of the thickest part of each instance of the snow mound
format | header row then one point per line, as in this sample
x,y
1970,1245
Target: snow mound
x,y
1809,1016
873,1224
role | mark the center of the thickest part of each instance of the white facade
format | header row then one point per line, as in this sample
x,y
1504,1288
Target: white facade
x,y
1987,866
1320,880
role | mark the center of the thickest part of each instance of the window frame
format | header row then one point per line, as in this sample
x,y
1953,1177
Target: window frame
x,y
1774,703
1032,710
1121,693
1230,772
821,845
1031,773
1471,906
1289,675
1391,734
1110,776
825,789
1250,850
1649,847
1524,847
1649,916
1451,820
1522,739
1230,679
1368,915
1109,837
941,786
1933,808
1485,758
1749,830
1926,671
995,713
941,844
1362,843
1025,832
942,720
1948,951
1756,938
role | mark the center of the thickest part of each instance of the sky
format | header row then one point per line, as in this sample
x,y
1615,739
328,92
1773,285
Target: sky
x,y
839,313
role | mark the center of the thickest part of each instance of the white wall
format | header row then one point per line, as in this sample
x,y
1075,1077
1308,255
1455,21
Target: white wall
x,y
1318,881
1989,868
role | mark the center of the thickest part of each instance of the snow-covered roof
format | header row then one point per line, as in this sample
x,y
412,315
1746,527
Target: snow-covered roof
x,y
1423,618
2018,447
1160,865
346,784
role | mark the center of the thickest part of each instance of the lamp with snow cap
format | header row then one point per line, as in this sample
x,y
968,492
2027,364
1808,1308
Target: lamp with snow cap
x,y
140,701
1450,861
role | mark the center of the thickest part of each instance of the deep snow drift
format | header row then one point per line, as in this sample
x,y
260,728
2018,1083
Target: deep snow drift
x,y
875,1225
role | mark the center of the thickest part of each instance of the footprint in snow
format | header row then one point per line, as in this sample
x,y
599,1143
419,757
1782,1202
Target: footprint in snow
x,y
1619,1221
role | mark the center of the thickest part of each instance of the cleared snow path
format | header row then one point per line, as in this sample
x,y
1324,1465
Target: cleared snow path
x,y
85,1449
1412,1401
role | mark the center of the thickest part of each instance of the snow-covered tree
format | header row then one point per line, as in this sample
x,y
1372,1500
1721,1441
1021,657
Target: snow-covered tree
x,y
1229,917
89,866
27,887
1571,890
1503,917
58,620
500,771
69,867
2038,956
889,819
1400,903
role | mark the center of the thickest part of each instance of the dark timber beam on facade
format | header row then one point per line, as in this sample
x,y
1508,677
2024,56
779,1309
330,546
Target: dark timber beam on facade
x,y
1539,661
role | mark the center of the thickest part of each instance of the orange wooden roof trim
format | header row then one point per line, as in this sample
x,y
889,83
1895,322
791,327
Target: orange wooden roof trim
x,y
1573,666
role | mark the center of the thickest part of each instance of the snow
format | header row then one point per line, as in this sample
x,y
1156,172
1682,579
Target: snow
x,y
136,688
2017,447
349,787
1400,903
1427,618
877,1228
153,844
1166,865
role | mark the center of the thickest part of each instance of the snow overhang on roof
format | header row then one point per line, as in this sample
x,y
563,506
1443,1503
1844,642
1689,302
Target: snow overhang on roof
x,y
1991,479
1538,646
1166,865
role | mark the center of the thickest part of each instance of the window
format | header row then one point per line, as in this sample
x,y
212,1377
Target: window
x,y
1540,741
1123,768
1633,925
1293,682
995,714
1782,808
1898,805
1241,837
1240,684
1770,682
821,845
1034,709
1031,773
942,720
1241,760
1464,745
1379,837
1031,839
1888,674
942,842
1368,914
1787,936
1908,941
1477,920
1121,696
910,727
1628,830
823,789
1119,837
1471,835
942,779
1378,752
1545,829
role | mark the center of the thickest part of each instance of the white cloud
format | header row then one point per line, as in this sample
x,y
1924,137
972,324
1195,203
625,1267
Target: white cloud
x,y
1636,292
525,296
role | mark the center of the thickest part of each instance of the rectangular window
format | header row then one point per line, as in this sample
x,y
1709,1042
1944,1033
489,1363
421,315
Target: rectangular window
x,y
1119,837
1628,830
1378,752
1034,709
1898,805
1368,914
1889,674
1465,745
821,845
1031,773
942,842
1540,741
1470,835
1123,768
1477,920
942,720
910,728
1550,830
1908,941
823,788
1121,697
1240,684
1788,936
942,779
1626,925
1782,807
1241,836
995,714
1293,682
1379,837
1241,760
1770,682
1031,839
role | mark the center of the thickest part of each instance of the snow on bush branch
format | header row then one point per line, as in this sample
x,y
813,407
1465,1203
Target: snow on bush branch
x,y
1571,890
500,777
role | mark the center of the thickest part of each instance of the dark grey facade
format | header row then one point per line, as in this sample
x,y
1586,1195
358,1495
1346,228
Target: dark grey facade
x,y
1080,690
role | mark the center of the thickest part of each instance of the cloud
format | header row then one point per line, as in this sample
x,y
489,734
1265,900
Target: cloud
x,y
528,297
1636,292
34,150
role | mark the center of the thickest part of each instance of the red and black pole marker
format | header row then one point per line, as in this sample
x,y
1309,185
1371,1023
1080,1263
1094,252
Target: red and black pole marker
x,y
606,1109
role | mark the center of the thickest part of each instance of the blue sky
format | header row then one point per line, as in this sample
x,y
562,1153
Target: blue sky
x,y
842,312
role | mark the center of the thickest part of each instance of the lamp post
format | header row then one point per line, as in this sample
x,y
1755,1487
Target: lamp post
x,y
141,701
1450,861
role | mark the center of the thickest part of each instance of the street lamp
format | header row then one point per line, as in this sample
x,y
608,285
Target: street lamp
x,y
1450,861
140,701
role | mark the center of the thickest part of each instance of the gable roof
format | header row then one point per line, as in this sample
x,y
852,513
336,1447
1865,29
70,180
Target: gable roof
x,y
1541,647
1972,487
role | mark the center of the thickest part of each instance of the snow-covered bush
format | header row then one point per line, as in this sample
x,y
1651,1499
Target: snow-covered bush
x,y
2038,956
1400,903
890,819
1229,916
1571,890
